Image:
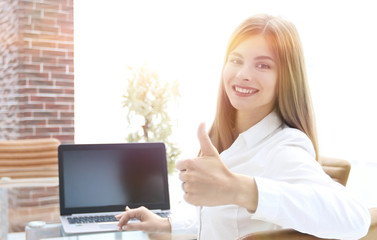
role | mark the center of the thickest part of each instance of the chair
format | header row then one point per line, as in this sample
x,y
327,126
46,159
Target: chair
x,y
30,170
29,158
338,170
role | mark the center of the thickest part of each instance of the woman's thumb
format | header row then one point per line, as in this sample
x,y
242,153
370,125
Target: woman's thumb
x,y
206,145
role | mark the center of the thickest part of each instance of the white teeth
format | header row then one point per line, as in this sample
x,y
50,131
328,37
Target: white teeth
x,y
243,90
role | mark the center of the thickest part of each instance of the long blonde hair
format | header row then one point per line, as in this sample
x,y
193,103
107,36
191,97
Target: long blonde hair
x,y
293,103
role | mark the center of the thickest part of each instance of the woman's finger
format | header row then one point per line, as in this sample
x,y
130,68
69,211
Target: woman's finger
x,y
123,220
180,165
183,165
183,176
121,214
126,216
135,226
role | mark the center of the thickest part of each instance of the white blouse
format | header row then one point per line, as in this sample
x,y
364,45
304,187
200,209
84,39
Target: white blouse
x,y
293,190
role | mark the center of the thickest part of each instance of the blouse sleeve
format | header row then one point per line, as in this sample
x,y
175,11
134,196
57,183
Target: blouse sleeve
x,y
185,220
298,194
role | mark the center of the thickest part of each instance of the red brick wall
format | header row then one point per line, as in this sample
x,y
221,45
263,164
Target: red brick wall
x,y
32,204
39,91
29,200
8,69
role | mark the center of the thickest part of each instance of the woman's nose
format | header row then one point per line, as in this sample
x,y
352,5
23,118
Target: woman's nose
x,y
245,74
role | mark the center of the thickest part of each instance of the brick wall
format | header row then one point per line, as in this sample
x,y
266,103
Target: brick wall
x,y
8,69
28,200
32,204
37,89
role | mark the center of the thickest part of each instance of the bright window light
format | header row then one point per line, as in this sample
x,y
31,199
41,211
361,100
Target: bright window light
x,y
186,41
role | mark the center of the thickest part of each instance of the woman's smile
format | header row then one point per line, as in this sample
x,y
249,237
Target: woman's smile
x,y
243,91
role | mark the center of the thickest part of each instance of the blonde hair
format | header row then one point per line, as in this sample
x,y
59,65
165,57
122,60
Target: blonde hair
x,y
293,103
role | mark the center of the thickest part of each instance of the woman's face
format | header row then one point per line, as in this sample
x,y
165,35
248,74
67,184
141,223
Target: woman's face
x,y
250,76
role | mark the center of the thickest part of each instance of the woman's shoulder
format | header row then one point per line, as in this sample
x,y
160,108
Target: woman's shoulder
x,y
292,137
292,133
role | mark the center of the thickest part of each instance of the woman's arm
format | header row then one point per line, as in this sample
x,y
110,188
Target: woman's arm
x,y
296,193
245,192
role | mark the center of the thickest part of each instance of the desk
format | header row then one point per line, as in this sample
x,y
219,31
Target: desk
x,y
131,235
16,236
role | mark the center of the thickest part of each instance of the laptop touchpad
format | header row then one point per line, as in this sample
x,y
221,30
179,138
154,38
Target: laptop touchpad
x,y
109,226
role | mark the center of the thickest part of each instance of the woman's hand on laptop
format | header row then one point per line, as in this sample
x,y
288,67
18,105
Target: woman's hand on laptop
x,y
149,221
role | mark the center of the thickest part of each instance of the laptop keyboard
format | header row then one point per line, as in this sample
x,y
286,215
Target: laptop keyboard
x,y
99,219
163,214
92,219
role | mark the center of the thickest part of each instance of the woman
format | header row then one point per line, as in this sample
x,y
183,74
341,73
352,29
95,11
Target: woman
x,y
257,169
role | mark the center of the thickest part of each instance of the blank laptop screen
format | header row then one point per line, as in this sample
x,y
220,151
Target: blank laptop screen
x,y
101,176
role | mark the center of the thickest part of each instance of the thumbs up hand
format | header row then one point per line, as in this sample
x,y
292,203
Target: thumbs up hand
x,y
206,179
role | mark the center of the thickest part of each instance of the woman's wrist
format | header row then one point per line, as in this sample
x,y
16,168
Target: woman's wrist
x,y
167,225
246,192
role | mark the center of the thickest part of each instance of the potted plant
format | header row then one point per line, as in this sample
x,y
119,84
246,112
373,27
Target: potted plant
x,y
147,101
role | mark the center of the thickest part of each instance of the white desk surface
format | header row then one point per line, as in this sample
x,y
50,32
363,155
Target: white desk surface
x,y
16,236
137,235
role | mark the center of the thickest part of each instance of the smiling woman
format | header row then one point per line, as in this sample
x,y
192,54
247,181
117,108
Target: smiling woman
x,y
183,43
257,169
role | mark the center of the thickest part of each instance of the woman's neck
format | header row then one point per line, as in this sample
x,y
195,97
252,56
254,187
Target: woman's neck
x,y
245,120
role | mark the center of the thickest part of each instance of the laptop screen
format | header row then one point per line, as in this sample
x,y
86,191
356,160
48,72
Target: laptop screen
x,y
108,177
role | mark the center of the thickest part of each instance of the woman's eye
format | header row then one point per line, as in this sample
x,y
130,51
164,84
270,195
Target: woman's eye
x,y
235,60
263,66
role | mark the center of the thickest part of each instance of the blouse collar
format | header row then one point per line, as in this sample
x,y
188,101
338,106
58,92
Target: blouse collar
x,y
262,129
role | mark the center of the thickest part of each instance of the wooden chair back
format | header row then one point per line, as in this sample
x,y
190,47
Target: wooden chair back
x,y
29,158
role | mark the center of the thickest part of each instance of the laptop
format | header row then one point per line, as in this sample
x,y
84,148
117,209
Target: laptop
x,y
97,182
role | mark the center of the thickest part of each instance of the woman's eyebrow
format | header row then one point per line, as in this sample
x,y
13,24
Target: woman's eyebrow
x,y
236,54
258,58
264,58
